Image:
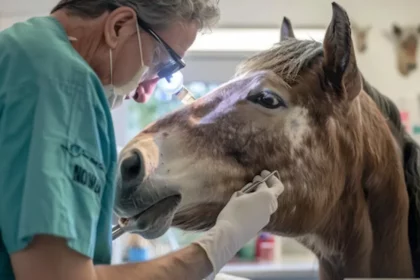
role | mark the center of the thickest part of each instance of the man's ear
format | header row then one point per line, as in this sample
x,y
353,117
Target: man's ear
x,y
120,24
286,31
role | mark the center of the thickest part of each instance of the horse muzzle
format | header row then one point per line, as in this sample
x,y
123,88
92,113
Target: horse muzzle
x,y
142,197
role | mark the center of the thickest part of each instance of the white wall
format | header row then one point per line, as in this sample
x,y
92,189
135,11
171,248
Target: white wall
x,y
120,119
268,13
5,22
378,64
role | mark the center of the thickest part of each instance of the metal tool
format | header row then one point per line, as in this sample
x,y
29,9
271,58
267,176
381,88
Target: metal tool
x,y
185,96
174,85
255,184
119,229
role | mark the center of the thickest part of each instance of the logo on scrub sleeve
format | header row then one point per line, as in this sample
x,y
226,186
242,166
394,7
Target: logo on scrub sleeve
x,y
86,178
80,173
76,151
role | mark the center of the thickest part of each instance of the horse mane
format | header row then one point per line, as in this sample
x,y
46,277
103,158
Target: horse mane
x,y
411,163
388,109
287,59
290,57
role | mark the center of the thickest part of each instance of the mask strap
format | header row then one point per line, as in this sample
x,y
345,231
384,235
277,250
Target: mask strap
x,y
140,46
110,66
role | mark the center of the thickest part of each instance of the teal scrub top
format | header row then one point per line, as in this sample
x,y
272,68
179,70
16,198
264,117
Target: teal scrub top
x,y
57,145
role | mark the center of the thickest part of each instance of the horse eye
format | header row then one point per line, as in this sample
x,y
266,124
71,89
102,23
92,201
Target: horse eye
x,y
267,99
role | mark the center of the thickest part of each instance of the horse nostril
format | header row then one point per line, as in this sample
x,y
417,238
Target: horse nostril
x,y
131,167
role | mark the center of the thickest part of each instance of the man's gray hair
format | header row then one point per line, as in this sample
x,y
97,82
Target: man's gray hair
x,y
159,14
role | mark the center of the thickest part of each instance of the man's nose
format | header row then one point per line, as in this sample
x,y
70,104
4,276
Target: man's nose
x,y
132,169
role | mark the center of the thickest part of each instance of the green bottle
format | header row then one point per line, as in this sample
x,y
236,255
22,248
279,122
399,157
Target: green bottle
x,y
247,252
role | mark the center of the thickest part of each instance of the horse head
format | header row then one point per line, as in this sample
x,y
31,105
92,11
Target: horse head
x,y
405,41
288,109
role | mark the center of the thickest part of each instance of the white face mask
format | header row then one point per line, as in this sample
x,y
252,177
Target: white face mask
x,y
116,94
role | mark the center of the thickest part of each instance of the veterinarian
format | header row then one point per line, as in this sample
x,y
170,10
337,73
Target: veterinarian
x,y
59,77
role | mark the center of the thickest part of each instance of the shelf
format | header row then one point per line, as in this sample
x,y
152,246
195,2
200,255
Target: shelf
x,y
272,271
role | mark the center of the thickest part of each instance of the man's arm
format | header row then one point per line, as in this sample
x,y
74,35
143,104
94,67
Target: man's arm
x,y
49,258
189,263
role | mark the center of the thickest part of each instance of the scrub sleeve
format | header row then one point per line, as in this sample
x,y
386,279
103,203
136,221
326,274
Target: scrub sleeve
x,y
56,182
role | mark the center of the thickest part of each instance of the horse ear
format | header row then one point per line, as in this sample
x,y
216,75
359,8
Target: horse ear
x,y
396,30
286,30
340,67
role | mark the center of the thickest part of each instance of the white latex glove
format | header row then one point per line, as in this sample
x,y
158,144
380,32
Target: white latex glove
x,y
242,218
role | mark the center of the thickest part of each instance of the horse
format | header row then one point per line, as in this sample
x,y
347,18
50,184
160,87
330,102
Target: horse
x,y
300,108
405,42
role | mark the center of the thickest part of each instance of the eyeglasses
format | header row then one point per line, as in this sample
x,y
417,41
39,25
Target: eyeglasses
x,y
172,64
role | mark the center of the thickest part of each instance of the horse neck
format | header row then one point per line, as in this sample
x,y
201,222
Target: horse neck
x,y
388,109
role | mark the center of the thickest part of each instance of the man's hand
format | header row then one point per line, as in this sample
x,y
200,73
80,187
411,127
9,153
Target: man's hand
x,y
241,219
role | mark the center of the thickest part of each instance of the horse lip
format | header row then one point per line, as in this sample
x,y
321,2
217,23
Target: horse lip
x,y
176,200
156,219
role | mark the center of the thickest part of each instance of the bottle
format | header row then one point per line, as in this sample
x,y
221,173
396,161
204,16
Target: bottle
x,y
265,247
137,249
247,252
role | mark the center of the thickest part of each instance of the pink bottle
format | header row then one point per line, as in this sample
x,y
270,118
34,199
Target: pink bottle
x,y
265,247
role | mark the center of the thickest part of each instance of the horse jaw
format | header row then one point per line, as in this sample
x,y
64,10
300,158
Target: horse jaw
x,y
172,168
